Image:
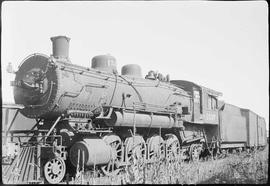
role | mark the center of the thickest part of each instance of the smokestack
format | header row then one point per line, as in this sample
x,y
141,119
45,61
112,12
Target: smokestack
x,y
60,46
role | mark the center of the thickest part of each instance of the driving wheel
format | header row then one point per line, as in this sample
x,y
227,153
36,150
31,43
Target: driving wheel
x,y
116,147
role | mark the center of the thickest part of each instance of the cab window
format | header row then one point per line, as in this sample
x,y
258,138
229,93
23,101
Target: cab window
x,y
212,102
196,96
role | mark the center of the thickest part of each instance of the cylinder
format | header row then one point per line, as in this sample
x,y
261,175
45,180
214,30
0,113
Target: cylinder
x,y
105,63
133,70
60,46
90,152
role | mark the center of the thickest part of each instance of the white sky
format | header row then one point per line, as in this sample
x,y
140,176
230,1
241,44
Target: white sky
x,y
220,45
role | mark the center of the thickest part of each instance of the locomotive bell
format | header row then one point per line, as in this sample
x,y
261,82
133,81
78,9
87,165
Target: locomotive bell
x,y
60,46
133,70
105,63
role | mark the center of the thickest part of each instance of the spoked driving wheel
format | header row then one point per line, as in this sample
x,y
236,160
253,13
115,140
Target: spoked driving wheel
x,y
54,170
111,168
156,148
135,151
172,148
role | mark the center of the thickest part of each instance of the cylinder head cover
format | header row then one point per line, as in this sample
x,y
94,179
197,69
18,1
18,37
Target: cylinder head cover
x,y
105,63
133,70
96,152
60,46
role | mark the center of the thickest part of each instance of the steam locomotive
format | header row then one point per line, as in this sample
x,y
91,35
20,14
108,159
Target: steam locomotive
x,y
97,117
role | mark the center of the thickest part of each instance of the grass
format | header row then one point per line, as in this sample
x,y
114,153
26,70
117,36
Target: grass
x,y
243,169
251,168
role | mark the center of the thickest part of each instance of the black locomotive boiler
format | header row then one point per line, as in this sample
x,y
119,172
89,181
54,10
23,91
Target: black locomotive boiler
x,y
98,117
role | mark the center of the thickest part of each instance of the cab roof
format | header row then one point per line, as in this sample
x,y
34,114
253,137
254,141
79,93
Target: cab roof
x,y
189,86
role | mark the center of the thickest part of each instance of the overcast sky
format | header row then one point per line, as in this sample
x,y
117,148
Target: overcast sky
x,y
220,45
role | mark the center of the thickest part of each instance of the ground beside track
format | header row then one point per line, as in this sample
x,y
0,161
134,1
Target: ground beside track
x,y
242,169
251,168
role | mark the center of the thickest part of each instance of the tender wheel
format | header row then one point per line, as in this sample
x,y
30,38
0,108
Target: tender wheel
x,y
54,170
172,147
116,145
195,151
135,150
156,148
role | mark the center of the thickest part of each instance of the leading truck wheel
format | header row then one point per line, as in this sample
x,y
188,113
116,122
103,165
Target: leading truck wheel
x,y
54,170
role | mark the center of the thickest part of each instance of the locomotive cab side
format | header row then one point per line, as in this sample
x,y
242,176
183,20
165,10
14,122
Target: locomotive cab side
x,y
204,119
205,102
